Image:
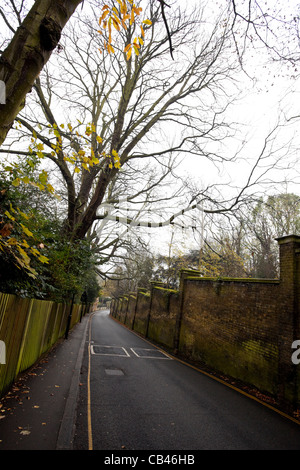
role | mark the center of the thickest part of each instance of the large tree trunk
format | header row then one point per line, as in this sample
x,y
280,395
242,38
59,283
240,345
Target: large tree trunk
x,y
27,53
88,216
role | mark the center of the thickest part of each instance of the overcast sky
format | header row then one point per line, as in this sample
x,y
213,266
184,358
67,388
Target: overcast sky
x,y
258,111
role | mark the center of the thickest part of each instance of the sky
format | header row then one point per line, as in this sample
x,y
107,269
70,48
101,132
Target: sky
x,y
258,110
273,96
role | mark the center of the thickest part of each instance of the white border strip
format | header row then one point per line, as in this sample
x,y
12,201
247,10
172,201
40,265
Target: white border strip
x,y
150,357
108,353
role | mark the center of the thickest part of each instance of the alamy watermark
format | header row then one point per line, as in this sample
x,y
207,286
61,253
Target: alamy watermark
x,y
296,354
2,92
142,216
2,353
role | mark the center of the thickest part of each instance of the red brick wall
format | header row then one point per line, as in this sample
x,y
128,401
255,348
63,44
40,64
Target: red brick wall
x,y
232,326
243,328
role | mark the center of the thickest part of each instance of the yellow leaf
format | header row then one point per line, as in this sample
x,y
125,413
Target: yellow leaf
x,y
50,188
34,251
23,254
43,259
9,215
23,214
26,231
25,244
26,180
132,17
104,15
129,54
110,49
16,182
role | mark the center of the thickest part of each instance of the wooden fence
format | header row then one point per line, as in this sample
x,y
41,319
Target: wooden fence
x,y
28,329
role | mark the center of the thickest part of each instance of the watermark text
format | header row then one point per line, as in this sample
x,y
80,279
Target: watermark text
x,y
2,353
2,92
296,354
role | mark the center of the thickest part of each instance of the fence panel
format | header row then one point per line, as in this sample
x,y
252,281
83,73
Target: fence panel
x,y
28,329
12,323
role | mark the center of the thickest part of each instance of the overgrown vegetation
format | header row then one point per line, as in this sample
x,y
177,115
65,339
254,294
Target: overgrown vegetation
x,y
58,267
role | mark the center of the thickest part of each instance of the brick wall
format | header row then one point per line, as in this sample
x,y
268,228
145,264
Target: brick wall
x,y
232,326
243,328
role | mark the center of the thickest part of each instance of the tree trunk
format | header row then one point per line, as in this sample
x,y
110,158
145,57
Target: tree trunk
x,y
28,52
87,219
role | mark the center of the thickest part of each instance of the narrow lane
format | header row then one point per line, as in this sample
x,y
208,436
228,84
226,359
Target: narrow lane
x,y
141,399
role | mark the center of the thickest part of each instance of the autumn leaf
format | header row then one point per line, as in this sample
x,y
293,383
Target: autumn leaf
x,y
118,18
26,231
16,182
43,259
6,230
9,215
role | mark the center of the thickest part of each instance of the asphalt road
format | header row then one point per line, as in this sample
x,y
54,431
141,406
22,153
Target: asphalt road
x,y
133,397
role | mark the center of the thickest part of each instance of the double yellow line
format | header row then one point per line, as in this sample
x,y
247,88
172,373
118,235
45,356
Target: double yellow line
x,y
89,413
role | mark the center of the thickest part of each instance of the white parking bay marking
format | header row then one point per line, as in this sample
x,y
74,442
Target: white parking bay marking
x,y
145,353
117,351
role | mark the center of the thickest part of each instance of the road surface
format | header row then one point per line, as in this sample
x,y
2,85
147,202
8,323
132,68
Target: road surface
x,y
134,397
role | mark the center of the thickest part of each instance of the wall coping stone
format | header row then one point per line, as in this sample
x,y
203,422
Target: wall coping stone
x,y
288,239
233,279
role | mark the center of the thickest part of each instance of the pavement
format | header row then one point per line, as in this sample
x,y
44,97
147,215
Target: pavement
x,y
39,411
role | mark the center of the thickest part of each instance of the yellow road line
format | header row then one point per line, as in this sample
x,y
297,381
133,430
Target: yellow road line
x,y
89,414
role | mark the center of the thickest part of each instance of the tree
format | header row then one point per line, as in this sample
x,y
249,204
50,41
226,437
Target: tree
x,y
17,241
57,269
90,155
245,245
134,270
274,217
28,52
271,27
36,38
125,106
40,32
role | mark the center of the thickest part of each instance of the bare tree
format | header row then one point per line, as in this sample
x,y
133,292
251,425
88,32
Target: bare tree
x,y
130,104
129,108
40,31
269,26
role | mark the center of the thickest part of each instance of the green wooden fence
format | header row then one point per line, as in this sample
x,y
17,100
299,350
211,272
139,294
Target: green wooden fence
x,y
28,329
